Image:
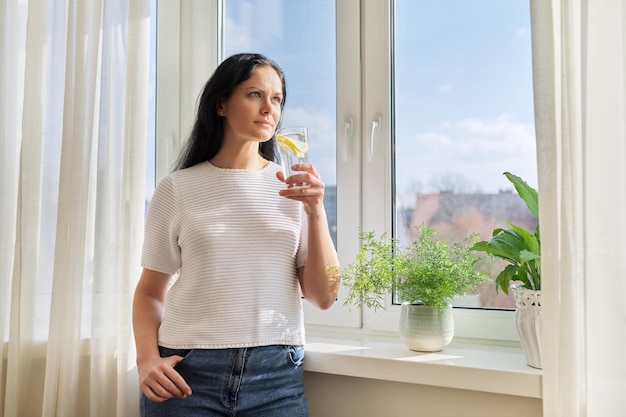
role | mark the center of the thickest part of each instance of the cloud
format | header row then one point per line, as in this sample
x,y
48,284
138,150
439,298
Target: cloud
x,y
521,32
322,138
320,124
478,149
240,34
444,88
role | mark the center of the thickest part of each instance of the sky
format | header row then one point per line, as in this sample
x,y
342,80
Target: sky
x,y
463,95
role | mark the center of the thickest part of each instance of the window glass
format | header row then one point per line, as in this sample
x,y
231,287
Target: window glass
x,y
463,116
300,37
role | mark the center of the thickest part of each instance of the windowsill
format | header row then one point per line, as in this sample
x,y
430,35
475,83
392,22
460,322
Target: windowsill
x,y
467,364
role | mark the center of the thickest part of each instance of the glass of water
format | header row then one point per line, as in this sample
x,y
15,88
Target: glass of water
x,y
293,148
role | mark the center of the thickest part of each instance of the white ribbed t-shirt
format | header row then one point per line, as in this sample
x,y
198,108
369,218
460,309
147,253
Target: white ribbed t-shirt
x,y
236,245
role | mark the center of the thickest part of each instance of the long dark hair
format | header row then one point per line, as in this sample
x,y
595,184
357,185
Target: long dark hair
x,y
207,133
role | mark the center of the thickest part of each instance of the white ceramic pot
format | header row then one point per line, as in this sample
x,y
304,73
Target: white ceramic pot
x,y
528,323
426,329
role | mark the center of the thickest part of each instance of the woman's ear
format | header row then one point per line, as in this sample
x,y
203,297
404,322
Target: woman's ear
x,y
220,108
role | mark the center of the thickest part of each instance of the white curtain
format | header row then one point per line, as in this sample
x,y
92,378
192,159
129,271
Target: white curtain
x,y
73,127
579,59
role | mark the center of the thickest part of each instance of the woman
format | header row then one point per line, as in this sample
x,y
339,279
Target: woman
x,y
225,339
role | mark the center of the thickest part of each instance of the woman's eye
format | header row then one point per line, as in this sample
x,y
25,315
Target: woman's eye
x,y
255,94
277,99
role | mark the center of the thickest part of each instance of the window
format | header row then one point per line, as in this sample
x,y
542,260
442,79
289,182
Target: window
x,y
458,114
463,114
446,85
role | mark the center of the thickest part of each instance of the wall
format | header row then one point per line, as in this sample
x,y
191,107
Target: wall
x,y
342,396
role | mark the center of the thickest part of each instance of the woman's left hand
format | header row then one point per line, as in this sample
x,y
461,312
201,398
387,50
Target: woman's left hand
x,y
319,280
312,196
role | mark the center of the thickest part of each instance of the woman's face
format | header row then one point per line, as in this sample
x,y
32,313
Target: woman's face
x,y
252,111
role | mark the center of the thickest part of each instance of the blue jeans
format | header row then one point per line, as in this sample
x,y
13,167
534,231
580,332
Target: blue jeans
x,y
264,381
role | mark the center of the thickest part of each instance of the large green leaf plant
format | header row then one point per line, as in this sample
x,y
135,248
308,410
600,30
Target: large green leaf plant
x,y
516,245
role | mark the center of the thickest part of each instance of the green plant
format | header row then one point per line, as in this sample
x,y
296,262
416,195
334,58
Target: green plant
x,y
428,271
516,245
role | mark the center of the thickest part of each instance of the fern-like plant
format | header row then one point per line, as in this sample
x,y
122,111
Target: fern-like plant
x,y
429,271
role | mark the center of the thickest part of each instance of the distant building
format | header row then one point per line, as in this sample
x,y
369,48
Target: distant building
x,y
454,215
449,212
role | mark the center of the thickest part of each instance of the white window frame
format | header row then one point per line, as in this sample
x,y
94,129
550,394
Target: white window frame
x,y
189,47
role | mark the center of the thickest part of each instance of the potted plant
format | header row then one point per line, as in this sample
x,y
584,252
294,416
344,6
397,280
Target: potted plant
x,y
521,249
425,275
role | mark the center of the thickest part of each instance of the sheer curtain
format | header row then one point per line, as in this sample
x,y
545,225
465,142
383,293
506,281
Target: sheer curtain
x,y
579,54
73,125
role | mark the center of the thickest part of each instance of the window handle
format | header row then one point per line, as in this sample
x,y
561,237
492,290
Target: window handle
x,y
375,128
347,137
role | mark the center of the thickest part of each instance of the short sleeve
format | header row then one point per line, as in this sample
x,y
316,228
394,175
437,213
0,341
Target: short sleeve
x,y
160,247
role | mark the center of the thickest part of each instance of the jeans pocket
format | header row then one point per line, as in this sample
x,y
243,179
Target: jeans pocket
x,y
295,354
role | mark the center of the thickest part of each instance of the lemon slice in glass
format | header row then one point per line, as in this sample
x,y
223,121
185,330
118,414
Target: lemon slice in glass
x,y
296,147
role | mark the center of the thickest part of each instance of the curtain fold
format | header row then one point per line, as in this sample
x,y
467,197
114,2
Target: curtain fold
x,y
579,70
74,123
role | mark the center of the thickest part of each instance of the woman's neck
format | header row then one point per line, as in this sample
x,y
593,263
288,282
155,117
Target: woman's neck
x,y
239,160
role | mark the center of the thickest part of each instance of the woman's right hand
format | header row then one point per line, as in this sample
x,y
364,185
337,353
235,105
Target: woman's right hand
x,y
159,381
